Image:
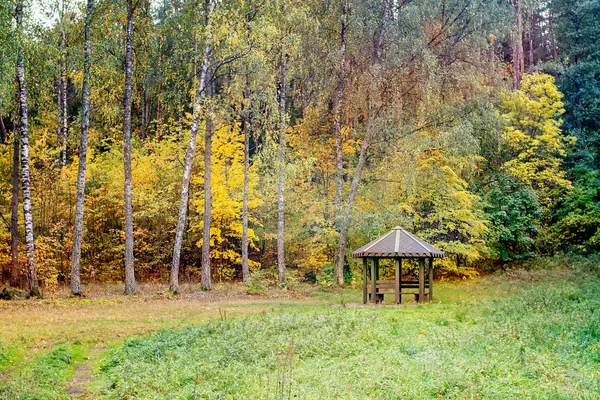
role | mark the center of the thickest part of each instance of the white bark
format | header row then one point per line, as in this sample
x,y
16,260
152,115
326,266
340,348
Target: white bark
x,y
245,241
65,121
32,279
281,165
337,126
83,145
129,260
189,157
205,279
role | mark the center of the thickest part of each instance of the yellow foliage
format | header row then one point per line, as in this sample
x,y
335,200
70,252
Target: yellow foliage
x,y
227,183
533,133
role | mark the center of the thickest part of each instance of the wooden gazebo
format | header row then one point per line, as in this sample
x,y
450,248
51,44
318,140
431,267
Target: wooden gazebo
x,y
397,244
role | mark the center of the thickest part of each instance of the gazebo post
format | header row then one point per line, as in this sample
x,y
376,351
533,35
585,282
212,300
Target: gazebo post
x,y
373,282
430,279
421,279
365,267
376,262
398,274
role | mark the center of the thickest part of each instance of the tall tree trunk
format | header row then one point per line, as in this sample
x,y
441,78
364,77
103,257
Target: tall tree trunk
x,y
59,112
129,267
3,131
552,38
14,210
337,113
520,40
205,280
371,115
518,61
245,241
531,61
144,115
281,168
189,157
65,119
83,145
345,223
34,288
380,33
159,110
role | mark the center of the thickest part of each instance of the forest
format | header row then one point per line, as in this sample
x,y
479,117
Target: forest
x,y
209,141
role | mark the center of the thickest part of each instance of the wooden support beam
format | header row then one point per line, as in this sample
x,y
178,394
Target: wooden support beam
x,y
421,279
398,274
376,264
430,279
373,283
365,267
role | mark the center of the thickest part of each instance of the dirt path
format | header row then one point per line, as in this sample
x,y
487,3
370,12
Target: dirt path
x,y
78,386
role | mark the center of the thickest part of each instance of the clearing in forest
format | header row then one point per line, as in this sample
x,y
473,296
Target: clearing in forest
x,y
524,334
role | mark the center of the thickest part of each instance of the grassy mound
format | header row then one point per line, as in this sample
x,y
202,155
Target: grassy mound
x,y
541,342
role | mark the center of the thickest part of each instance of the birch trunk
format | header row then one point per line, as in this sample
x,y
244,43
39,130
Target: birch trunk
x,y
129,266
189,157
337,111
205,279
83,145
345,223
65,122
159,110
59,113
245,244
32,280
14,210
281,162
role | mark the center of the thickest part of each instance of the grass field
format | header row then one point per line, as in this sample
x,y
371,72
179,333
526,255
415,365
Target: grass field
x,y
525,334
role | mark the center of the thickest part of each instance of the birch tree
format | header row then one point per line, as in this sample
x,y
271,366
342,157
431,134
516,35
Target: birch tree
x,y
83,145
337,111
281,166
129,266
245,241
189,157
205,279
32,279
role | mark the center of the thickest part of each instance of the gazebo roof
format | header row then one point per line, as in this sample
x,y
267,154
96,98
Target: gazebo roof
x,y
398,243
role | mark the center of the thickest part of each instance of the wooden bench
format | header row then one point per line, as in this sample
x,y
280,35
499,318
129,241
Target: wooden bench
x,y
383,287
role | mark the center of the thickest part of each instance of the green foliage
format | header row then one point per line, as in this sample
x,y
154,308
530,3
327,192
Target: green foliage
x,y
513,212
578,225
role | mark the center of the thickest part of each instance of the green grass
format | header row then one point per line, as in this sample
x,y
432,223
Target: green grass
x,y
526,335
43,378
523,334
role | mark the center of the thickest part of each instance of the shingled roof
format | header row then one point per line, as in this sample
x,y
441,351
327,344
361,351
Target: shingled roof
x,y
398,243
